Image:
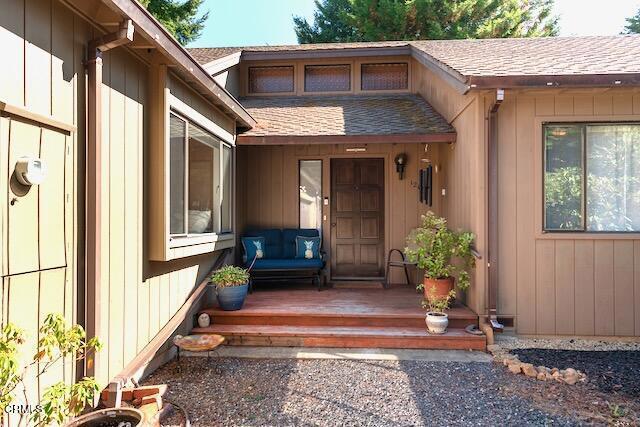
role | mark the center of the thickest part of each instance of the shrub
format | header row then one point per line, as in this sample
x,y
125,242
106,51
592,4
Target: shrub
x,y
60,401
434,247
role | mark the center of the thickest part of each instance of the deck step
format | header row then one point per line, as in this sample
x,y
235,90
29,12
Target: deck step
x,y
458,318
345,337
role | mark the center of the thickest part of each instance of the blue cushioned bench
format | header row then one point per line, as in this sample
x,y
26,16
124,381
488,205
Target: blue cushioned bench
x,y
279,260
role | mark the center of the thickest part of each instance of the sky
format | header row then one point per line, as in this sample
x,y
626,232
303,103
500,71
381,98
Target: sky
x,y
269,22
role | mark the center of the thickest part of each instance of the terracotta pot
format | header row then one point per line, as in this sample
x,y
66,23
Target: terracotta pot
x,y
442,287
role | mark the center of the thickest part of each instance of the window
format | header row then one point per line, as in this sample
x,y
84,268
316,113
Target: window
x,y
271,79
200,181
384,76
327,78
311,194
592,177
227,190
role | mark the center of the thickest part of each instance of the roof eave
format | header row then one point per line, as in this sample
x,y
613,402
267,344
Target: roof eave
x,y
552,81
248,55
448,74
184,63
222,64
447,137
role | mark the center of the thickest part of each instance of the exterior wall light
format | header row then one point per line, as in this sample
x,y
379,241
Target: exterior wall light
x,y
401,163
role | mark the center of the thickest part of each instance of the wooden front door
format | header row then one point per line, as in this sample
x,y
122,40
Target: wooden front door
x,y
357,218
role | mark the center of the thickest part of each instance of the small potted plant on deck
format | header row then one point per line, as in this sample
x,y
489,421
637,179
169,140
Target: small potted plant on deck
x,y
437,319
442,254
231,284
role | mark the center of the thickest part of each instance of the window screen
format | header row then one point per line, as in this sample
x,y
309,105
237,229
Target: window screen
x,y
327,78
270,79
384,76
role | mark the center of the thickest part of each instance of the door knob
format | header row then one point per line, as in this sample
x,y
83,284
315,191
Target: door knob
x,y
333,224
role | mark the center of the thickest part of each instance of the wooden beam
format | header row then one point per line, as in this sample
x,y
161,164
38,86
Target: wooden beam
x,y
109,41
40,119
345,139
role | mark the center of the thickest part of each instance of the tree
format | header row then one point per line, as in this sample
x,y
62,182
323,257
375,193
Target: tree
x,y
633,24
179,17
375,20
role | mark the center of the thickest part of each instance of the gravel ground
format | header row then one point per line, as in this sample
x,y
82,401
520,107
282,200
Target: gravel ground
x,y
247,392
516,342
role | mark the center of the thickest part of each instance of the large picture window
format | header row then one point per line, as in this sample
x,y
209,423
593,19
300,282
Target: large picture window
x,y
199,181
592,177
311,194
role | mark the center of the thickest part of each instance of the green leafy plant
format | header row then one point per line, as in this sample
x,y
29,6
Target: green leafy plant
x,y
60,401
435,249
438,304
230,275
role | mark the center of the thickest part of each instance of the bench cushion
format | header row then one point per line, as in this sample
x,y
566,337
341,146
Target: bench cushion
x,y
273,242
289,239
288,264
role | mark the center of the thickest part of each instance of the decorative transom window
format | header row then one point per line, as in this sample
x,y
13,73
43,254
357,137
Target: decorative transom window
x,y
327,78
592,177
384,76
271,79
200,181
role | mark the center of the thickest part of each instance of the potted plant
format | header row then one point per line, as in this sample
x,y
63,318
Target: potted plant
x,y
437,320
231,284
442,254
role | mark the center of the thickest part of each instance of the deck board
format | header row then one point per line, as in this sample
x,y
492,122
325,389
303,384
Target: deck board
x,y
337,302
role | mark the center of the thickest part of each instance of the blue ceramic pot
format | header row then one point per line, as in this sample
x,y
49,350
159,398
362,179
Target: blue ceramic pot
x,y
232,297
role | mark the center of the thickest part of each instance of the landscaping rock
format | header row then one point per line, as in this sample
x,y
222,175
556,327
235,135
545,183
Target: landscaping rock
x,y
529,370
515,368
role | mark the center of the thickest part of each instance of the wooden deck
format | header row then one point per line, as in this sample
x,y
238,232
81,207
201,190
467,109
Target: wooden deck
x,y
375,318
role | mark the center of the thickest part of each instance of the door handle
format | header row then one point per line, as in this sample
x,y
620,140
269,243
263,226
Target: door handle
x,y
333,224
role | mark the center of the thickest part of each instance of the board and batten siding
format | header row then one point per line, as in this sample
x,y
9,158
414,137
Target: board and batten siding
x,y
40,226
42,231
560,284
463,165
268,187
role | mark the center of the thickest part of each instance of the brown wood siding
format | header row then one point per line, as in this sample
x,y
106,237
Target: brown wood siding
x,y
463,165
42,236
268,187
560,284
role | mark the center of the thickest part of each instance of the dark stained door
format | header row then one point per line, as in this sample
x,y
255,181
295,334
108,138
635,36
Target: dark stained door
x,y
357,218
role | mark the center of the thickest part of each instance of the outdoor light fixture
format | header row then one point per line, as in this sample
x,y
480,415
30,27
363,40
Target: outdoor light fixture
x,y
401,162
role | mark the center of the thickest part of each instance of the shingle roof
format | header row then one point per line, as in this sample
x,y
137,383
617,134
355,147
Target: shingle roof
x,y
593,55
350,115
537,56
